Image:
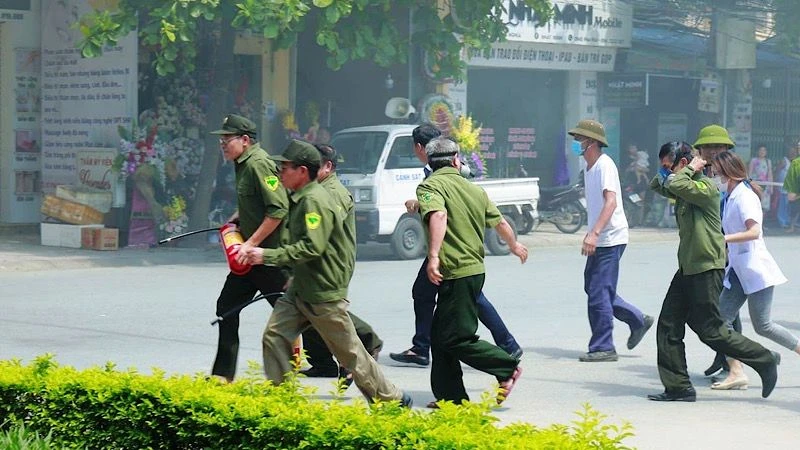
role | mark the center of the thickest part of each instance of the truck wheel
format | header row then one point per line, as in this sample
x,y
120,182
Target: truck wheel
x,y
528,223
494,243
408,240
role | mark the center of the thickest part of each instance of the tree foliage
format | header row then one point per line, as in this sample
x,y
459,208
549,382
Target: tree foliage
x,y
348,29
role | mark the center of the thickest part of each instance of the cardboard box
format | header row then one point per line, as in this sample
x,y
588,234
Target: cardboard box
x,y
100,238
70,212
63,235
95,198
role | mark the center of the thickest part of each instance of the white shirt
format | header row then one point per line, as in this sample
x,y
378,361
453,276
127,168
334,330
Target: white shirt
x,y
751,260
603,176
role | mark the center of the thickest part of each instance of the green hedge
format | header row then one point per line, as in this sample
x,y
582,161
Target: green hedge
x,y
102,408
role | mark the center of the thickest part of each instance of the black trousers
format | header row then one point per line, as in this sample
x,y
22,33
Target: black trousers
x,y
694,300
240,289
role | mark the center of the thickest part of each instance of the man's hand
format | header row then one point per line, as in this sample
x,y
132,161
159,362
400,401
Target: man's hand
x,y
412,206
697,163
521,251
433,270
244,251
589,244
254,255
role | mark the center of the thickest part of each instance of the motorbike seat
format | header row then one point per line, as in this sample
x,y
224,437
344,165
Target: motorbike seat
x,y
554,190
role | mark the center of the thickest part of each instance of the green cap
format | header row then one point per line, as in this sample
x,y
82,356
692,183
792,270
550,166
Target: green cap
x,y
591,129
300,153
714,134
236,124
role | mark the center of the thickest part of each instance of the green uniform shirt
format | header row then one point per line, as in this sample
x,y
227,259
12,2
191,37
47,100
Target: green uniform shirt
x,y
702,244
345,206
319,252
259,193
469,213
792,181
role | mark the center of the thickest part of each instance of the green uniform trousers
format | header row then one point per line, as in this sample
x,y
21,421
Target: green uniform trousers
x,y
453,340
317,353
694,300
290,317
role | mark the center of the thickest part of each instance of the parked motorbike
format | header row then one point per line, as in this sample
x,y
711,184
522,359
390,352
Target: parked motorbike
x,y
563,206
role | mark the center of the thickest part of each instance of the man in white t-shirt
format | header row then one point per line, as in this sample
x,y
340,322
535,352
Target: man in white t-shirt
x,y
603,246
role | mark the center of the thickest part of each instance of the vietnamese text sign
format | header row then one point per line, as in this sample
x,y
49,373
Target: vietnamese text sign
x,y
14,9
623,91
94,168
601,23
84,100
525,55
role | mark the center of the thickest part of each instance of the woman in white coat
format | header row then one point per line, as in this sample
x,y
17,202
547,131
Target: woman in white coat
x,y
751,273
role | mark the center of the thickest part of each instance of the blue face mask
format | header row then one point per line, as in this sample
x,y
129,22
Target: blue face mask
x,y
577,149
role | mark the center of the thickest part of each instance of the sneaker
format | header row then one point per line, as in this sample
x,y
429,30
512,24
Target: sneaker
x,y
600,356
637,335
409,357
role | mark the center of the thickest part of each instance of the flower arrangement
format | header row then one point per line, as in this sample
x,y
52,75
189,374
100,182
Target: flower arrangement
x,y
138,148
467,135
290,127
175,218
187,154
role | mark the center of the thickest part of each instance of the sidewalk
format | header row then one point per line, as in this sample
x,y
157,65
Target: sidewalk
x,y
20,250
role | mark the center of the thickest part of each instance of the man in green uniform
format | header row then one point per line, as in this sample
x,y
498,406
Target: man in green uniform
x,y
322,257
262,205
456,213
791,184
693,295
317,353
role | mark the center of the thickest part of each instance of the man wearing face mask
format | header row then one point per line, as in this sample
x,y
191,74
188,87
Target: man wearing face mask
x,y
693,295
603,246
712,140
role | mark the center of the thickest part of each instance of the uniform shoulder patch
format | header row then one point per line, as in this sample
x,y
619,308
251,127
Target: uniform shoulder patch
x,y
426,197
272,182
313,220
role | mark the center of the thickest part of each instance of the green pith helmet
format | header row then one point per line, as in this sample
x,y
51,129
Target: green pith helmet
x,y
591,129
714,134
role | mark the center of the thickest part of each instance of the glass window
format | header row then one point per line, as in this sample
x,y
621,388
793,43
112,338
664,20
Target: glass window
x,y
359,151
402,154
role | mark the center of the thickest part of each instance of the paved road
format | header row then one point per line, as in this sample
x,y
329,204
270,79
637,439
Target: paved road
x,y
151,309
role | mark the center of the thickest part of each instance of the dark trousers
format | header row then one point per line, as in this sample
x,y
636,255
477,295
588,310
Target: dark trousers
x,y
424,295
600,284
237,291
453,341
694,300
317,353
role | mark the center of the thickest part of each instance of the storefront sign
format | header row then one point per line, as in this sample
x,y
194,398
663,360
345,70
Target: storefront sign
x,y
84,100
94,168
14,10
525,55
521,142
599,23
623,91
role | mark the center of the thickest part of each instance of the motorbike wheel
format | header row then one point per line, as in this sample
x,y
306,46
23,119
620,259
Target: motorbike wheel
x,y
570,217
494,243
633,213
528,223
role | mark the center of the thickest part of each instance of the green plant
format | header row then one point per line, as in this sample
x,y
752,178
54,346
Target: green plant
x,y
20,438
102,407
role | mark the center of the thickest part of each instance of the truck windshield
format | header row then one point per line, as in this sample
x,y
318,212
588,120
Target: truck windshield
x,y
359,152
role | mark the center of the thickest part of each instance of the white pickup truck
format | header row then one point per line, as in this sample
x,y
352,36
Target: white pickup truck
x,y
380,169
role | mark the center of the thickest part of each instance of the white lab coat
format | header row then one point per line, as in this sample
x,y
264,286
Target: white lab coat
x,y
751,260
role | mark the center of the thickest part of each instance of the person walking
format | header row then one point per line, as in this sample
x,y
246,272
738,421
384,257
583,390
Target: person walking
x,y
693,295
424,292
761,170
783,200
791,184
322,257
455,214
317,353
751,273
262,206
603,246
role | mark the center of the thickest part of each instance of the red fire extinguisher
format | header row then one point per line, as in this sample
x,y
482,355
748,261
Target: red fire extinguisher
x,y
231,240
